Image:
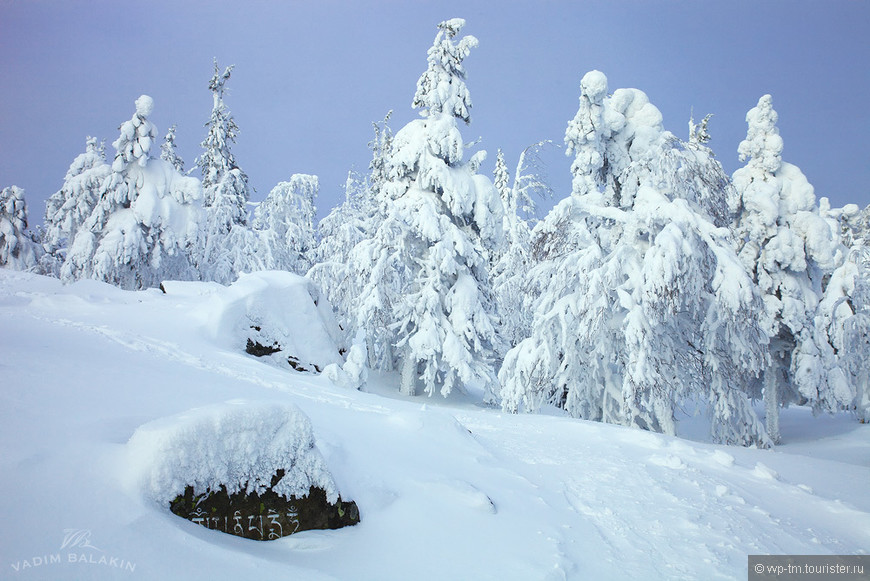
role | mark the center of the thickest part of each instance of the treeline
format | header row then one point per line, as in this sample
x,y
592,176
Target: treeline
x,y
659,281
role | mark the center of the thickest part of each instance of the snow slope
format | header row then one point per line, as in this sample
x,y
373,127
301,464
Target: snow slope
x,y
446,489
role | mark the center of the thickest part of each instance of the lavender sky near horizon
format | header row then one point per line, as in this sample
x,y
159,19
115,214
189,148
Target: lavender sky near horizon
x,y
311,77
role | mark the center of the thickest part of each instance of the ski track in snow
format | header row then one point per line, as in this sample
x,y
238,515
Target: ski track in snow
x,y
667,503
172,351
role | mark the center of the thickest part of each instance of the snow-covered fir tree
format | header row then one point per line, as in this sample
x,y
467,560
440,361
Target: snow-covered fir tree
x,y
427,295
347,232
169,151
643,303
18,248
225,192
788,247
143,228
844,316
339,232
379,169
284,224
511,262
370,208
68,208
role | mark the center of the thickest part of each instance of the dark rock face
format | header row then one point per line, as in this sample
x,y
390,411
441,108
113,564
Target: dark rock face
x,y
265,516
258,349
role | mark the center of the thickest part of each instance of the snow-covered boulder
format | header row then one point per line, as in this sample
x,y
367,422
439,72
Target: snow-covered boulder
x,y
277,314
249,469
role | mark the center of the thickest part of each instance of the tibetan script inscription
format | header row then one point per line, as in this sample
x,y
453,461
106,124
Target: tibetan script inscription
x,y
265,516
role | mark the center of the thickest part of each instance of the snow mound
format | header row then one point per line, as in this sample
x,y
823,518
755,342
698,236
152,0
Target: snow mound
x,y
277,307
237,444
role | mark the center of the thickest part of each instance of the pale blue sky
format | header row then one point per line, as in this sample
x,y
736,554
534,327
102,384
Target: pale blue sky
x,y
311,77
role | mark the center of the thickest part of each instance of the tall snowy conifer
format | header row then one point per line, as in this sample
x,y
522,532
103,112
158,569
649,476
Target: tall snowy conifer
x,y
68,208
225,190
143,228
643,303
788,248
18,249
429,282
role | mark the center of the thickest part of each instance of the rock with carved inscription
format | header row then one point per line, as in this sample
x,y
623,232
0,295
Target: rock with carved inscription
x,y
265,516
245,468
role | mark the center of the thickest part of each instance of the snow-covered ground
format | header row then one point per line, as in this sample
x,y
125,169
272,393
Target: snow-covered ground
x,y
447,489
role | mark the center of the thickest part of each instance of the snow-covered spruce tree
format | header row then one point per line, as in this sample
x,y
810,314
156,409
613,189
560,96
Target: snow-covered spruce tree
x,y
429,286
788,247
379,171
18,249
342,263
68,208
284,224
225,192
339,232
511,262
643,303
365,258
844,316
848,222
169,152
143,228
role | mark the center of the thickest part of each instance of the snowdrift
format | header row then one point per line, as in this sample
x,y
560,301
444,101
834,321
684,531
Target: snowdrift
x,y
449,490
273,308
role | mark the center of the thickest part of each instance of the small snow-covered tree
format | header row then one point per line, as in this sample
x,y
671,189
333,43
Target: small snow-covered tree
x,y
512,261
68,208
379,167
339,232
18,249
788,247
169,152
844,316
284,223
643,303
143,228
427,293
346,233
372,207
225,192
